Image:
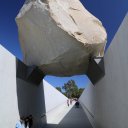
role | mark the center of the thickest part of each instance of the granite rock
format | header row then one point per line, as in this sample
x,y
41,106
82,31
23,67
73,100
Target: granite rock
x,y
59,36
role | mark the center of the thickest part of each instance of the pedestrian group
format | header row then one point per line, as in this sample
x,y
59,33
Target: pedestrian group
x,y
25,122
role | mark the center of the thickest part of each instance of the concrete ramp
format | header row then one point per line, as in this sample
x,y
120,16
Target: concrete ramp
x,y
73,118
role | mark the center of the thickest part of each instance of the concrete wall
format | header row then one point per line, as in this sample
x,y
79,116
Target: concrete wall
x,y
9,113
111,92
87,102
108,99
31,102
55,103
53,98
20,98
17,96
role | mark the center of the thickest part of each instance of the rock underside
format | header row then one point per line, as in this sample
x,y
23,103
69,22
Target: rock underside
x,y
59,36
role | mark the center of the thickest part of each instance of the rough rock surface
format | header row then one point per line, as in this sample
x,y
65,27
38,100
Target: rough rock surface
x,y
59,36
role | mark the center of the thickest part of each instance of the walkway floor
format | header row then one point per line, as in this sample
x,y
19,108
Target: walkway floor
x,y
75,118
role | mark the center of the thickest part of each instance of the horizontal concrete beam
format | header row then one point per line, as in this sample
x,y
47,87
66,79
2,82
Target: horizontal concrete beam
x,y
30,74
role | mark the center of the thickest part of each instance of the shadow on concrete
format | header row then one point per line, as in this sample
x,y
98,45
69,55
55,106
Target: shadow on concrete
x,y
76,118
31,102
30,96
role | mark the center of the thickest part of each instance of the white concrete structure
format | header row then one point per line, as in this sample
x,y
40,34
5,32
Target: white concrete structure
x,y
9,114
59,36
55,103
87,101
111,92
19,97
53,98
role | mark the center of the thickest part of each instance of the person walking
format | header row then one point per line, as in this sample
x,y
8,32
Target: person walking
x,y
30,120
77,104
68,102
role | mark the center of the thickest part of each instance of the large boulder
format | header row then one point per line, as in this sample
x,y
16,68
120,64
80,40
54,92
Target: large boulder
x,y
59,36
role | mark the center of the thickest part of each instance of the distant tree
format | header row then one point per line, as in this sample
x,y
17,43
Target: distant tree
x,y
80,92
71,89
59,89
64,93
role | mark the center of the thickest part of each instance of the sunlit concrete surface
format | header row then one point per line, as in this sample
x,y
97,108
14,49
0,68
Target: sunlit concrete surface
x,y
8,101
74,118
53,98
57,114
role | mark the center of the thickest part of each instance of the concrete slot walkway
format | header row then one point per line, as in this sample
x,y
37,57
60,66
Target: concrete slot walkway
x,y
56,115
75,118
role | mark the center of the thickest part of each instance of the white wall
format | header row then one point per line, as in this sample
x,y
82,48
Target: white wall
x,y
88,98
53,98
55,104
21,98
111,110
108,99
18,97
87,102
9,113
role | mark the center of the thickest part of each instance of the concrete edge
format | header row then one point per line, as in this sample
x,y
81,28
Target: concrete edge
x,y
89,115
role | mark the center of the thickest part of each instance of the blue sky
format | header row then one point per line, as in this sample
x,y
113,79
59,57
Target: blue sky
x,y
110,12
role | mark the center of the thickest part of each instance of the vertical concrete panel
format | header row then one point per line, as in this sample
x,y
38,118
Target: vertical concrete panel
x,y
53,98
111,92
17,96
87,98
87,102
9,114
31,102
